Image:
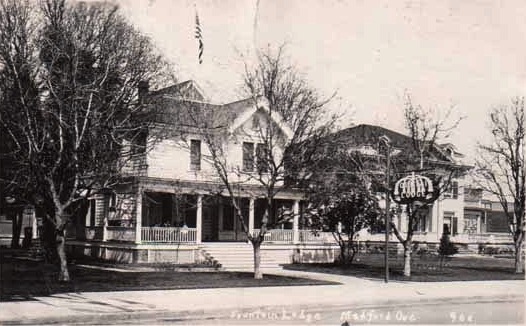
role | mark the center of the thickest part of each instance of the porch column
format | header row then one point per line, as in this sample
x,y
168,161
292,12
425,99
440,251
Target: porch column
x,y
295,222
105,218
251,206
403,221
88,214
199,218
138,216
34,225
430,220
105,228
478,222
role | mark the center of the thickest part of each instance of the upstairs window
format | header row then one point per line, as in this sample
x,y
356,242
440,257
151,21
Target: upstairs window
x,y
248,157
262,156
195,155
452,190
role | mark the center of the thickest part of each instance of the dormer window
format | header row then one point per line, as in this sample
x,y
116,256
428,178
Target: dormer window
x,y
365,150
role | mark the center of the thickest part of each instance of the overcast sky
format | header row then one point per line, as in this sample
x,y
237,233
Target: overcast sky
x,y
469,55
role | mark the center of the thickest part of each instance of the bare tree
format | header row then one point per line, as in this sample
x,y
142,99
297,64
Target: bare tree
x,y
69,76
502,169
18,89
424,131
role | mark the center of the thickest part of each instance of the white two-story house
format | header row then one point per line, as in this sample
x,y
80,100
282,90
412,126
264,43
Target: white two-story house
x,y
173,207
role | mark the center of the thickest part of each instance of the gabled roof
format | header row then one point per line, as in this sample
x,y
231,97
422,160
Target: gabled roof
x,y
257,104
188,90
365,134
183,105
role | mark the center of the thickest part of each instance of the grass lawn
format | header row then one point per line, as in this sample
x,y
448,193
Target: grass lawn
x,y
22,280
424,269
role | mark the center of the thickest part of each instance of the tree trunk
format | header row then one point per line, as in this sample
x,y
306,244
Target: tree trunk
x,y
16,229
352,253
63,275
407,258
519,261
257,260
343,249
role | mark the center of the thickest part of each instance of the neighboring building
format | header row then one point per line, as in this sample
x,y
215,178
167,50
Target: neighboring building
x,y
10,213
471,217
486,221
173,207
447,213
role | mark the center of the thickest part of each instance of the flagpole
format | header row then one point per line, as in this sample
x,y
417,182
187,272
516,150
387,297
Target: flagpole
x,y
199,36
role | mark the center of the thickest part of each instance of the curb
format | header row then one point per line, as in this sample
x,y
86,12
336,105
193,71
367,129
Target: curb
x,y
201,314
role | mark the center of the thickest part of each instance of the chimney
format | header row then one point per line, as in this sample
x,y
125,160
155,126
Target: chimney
x,y
143,88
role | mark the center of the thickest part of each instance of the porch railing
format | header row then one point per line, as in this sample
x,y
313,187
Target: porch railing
x,y
120,233
304,236
277,235
168,235
490,237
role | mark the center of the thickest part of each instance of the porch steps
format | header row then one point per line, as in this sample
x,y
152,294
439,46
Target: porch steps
x,y
36,249
239,256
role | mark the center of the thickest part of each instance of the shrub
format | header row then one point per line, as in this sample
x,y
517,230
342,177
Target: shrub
x,y
489,249
446,248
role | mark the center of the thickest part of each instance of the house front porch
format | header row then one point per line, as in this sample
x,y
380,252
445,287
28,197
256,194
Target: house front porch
x,y
185,235
186,227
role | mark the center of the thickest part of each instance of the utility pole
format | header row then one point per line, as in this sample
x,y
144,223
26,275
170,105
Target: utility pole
x,y
387,143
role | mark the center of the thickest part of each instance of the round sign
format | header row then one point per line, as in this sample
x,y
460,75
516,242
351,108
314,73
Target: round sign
x,y
412,188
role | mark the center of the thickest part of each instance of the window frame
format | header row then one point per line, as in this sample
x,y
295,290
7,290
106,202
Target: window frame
x,y
262,163
195,154
452,190
248,157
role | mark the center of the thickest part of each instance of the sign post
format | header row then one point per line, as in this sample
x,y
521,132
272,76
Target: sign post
x,y
410,189
387,219
387,143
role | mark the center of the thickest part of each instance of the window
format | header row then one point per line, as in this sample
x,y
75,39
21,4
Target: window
x,y
452,190
248,157
421,223
195,155
229,215
262,157
450,225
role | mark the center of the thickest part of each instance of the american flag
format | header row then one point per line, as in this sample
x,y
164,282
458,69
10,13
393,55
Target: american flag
x,y
199,37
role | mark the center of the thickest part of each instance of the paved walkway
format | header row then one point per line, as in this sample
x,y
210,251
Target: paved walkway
x,y
105,307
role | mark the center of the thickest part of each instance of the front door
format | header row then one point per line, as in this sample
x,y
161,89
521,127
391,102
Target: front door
x,y
210,222
446,229
450,225
231,228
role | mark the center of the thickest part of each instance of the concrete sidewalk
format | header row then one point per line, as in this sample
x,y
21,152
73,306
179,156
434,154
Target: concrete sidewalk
x,y
106,307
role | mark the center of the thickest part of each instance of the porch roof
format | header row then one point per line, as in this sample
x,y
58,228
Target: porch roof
x,y
213,188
